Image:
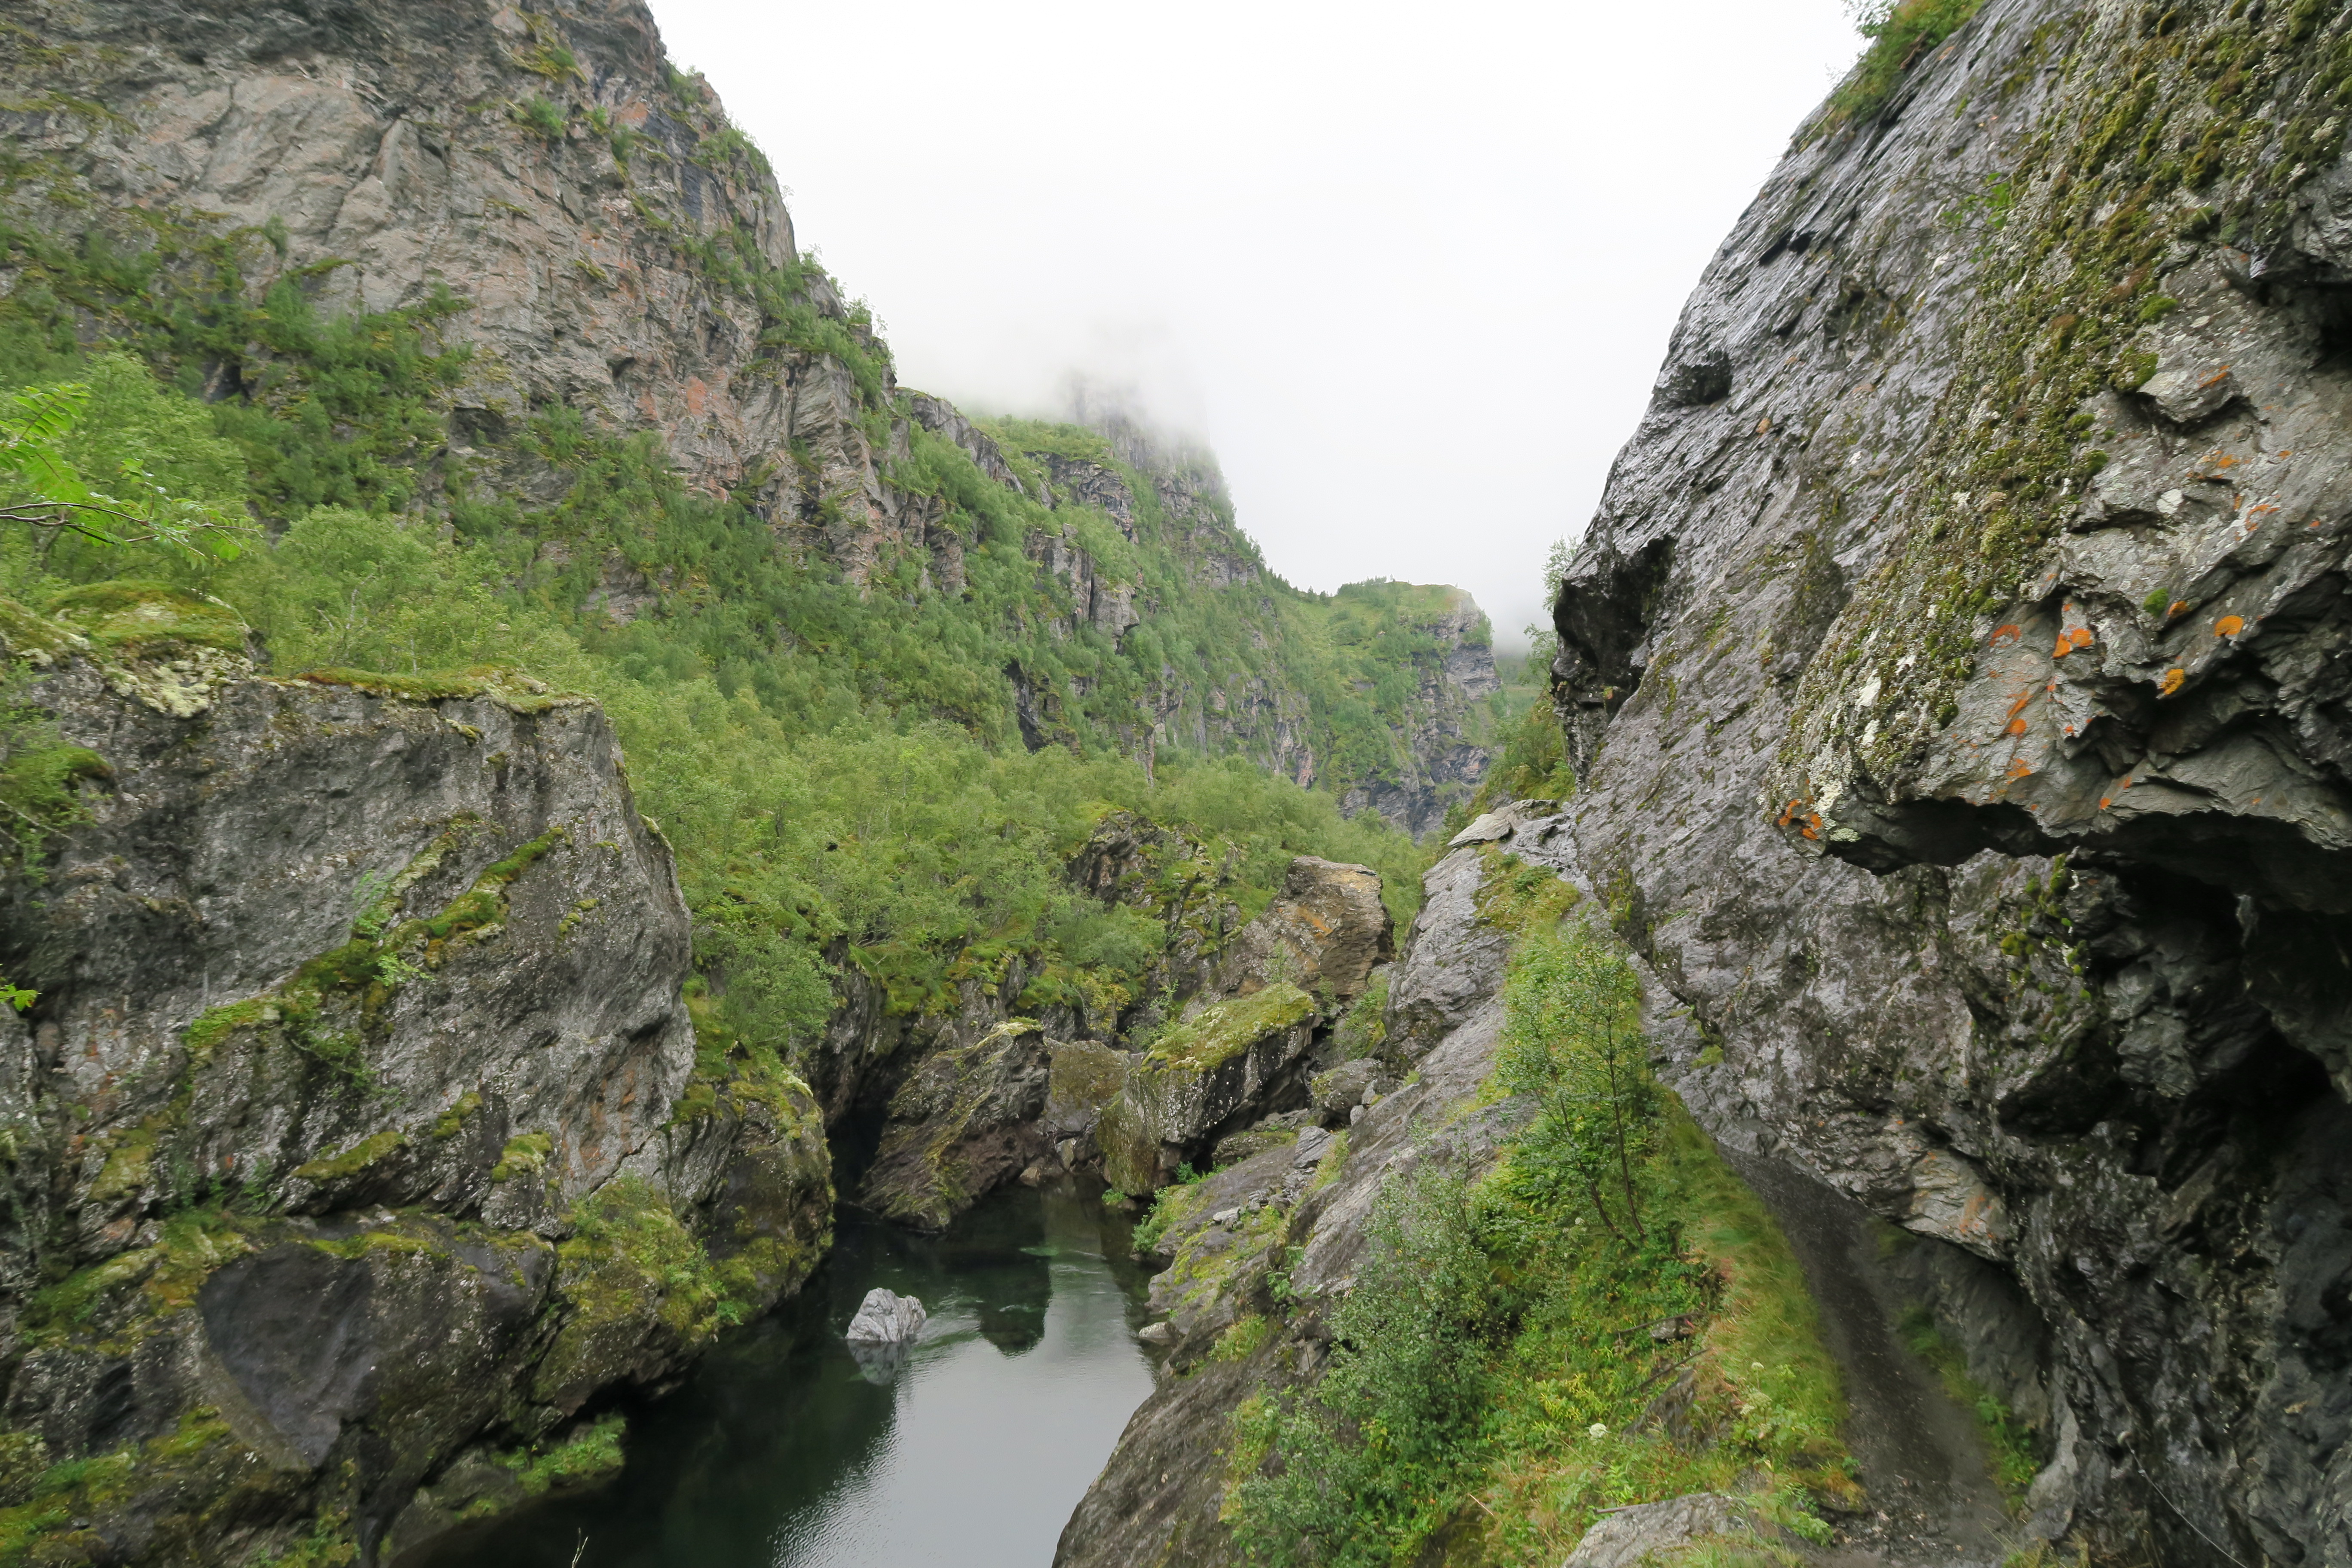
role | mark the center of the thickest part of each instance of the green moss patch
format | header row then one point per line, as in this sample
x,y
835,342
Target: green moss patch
x,y
351,1161
630,1273
1218,1034
452,1122
588,1456
36,638
1519,898
129,619
525,1155
114,1303
506,687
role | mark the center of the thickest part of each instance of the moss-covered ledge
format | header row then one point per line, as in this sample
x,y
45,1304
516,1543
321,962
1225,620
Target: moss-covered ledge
x,y
1196,1077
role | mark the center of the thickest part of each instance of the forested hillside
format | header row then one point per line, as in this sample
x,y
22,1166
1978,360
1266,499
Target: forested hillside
x,y
875,668
398,406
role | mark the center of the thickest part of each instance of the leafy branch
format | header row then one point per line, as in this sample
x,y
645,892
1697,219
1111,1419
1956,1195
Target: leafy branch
x,y
35,422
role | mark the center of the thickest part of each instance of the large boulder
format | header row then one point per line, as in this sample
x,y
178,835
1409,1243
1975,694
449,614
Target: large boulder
x,y
886,1317
1325,933
1198,1078
965,1119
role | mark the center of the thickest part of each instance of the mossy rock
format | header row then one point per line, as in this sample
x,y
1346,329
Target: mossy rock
x,y
1083,1079
130,619
637,1296
499,683
1197,1078
1219,1034
36,638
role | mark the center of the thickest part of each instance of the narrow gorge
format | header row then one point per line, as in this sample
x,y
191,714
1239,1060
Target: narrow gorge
x,y
580,791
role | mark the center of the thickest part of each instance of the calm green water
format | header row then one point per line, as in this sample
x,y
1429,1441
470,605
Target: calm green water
x,y
782,1452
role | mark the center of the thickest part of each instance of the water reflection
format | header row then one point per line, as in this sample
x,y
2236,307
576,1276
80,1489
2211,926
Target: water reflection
x,y
970,1447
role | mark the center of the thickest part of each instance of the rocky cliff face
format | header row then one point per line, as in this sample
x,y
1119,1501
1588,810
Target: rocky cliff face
x,y
1953,671
1019,1079
1301,1204
359,1127
576,226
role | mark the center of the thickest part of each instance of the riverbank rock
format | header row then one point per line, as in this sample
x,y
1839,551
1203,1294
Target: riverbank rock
x,y
886,1317
1196,1077
358,1125
966,1120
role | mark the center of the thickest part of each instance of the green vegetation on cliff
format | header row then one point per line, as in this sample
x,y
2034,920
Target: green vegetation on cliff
x,y
838,772
1607,1317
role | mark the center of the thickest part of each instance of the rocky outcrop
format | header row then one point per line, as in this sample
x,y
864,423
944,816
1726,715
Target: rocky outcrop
x,y
989,1095
966,1120
1301,1204
358,1123
1953,676
1199,1079
1325,933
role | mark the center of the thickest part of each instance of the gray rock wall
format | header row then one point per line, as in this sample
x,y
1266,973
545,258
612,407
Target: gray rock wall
x,y
358,1125
1952,672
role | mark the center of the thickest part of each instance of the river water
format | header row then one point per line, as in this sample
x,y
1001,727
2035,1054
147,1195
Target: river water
x,y
784,1451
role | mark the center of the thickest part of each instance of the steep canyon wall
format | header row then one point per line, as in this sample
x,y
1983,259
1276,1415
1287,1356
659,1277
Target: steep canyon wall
x,y
1953,673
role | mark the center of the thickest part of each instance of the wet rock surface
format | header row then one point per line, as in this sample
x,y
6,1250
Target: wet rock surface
x,y
348,1135
1954,694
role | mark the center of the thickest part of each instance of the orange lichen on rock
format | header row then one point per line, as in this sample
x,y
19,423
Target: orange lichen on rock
x,y
2002,636
2229,626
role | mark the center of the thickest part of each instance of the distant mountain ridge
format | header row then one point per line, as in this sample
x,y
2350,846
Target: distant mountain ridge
x,y
552,220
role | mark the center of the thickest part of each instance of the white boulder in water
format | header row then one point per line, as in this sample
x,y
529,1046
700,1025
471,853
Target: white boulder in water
x,y
886,1318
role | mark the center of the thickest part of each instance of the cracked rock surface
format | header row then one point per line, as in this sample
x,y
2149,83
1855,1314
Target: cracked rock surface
x,y
1955,673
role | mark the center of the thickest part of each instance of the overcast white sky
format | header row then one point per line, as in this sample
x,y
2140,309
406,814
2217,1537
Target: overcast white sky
x,y
1410,270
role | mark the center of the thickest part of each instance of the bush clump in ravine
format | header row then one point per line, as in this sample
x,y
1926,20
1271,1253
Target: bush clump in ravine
x,y
1607,1316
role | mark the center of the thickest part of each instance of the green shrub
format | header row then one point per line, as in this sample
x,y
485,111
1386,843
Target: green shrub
x,y
1901,33
1494,1370
540,116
